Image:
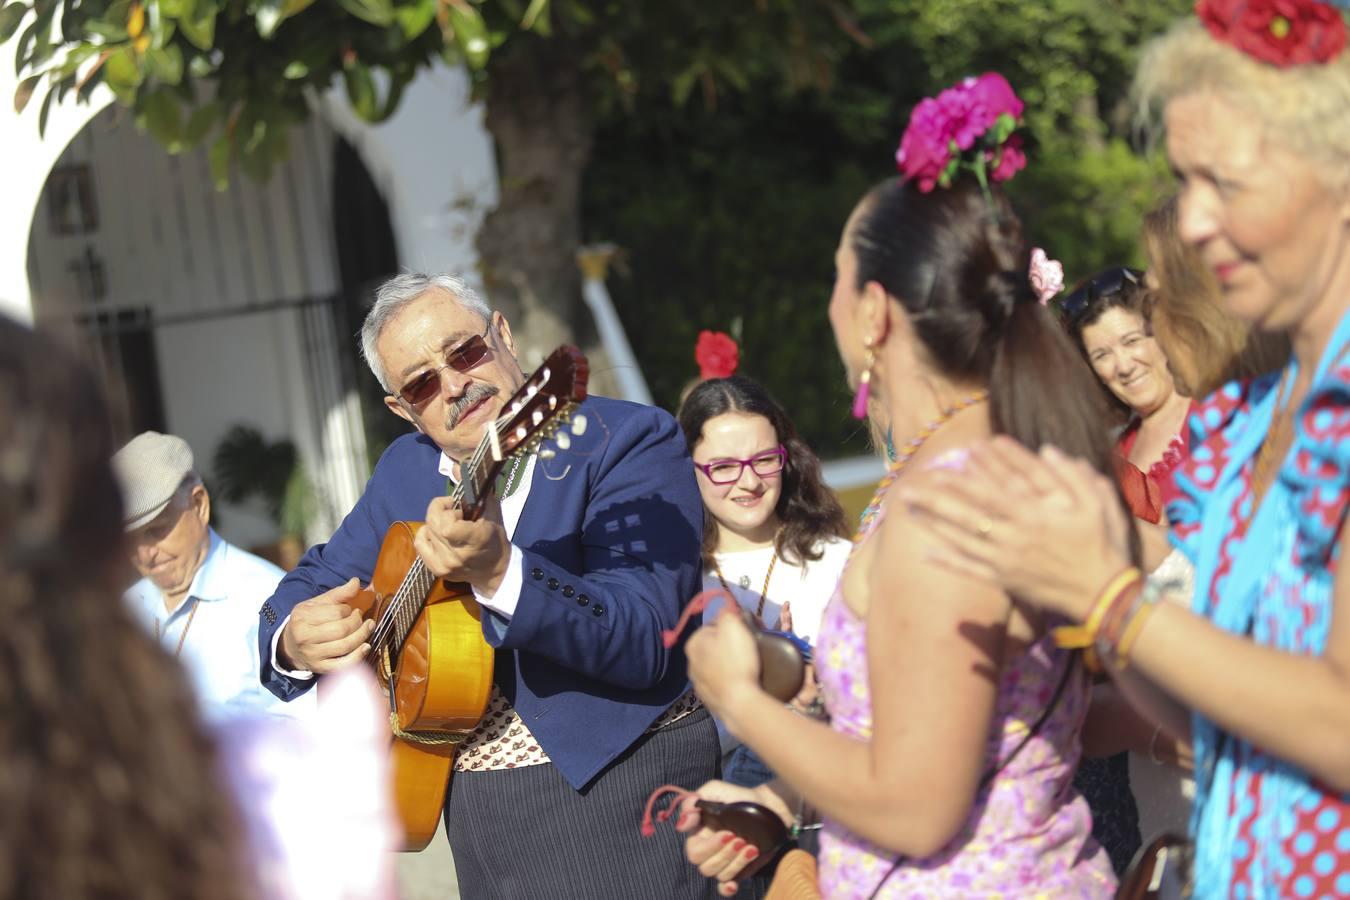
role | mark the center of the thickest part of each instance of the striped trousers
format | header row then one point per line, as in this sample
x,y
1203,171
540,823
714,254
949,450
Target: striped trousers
x,y
526,834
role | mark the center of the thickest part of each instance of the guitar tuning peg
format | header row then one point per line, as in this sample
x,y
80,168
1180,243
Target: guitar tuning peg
x,y
579,424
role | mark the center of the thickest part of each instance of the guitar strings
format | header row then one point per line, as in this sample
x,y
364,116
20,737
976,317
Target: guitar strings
x,y
389,619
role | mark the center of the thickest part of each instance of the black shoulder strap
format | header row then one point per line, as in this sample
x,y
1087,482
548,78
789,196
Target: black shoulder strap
x,y
989,776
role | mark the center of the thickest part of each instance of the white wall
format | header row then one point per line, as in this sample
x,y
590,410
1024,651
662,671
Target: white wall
x,y
169,240
224,372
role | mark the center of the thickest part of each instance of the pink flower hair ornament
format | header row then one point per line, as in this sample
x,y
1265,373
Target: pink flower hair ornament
x,y
1046,274
968,126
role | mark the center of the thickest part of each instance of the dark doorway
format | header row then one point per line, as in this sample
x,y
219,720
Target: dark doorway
x,y
122,347
367,255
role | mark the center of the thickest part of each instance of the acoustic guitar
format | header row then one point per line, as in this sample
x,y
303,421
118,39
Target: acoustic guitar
x,y
428,647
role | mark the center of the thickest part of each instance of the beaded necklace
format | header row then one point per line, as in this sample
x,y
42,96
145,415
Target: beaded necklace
x,y
903,456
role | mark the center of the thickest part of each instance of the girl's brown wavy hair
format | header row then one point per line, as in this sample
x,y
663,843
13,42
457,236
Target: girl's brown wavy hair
x,y
108,782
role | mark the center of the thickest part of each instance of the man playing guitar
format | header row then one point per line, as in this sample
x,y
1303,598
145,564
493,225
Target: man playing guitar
x,y
588,557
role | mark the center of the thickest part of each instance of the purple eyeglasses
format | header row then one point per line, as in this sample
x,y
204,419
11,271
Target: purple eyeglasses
x,y
728,471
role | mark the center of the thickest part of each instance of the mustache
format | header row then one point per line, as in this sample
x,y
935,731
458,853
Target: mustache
x,y
476,393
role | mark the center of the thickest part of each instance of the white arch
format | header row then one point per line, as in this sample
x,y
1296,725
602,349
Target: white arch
x,y
27,161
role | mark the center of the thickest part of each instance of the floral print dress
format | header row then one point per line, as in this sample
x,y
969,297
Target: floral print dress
x,y
1028,834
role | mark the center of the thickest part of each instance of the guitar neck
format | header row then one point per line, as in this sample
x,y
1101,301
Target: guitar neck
x,y
477,474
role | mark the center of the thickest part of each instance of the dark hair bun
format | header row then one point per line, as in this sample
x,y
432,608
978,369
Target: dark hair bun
x,y
1003,291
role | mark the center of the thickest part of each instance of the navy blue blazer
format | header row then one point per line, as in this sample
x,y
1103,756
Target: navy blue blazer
x,y
610,534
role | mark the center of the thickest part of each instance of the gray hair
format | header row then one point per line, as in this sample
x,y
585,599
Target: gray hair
x,y
182,495
398,292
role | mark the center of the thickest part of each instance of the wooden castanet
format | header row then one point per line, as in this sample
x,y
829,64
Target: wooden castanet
x,y
442,682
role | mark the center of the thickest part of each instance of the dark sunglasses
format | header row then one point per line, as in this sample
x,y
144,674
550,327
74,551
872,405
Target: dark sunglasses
x,y
728,471
462,358
1103,286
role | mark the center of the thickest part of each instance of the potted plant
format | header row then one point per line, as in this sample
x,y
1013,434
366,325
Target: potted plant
x,y
247,465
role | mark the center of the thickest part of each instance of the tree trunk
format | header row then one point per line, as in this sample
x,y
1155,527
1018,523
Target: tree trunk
x,y
538,115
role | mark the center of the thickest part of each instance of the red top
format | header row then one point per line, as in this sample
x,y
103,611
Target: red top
x,y
1148,493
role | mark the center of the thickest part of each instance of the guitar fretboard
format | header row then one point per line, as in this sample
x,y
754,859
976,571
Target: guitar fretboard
x,y
405,606
408,602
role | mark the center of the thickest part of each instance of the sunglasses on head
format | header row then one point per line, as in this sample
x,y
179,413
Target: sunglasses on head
x,y
1103,286
462,358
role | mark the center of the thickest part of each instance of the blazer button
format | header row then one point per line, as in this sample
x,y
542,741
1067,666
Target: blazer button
x,y
568,591
552,584
582,599
597,610
537,574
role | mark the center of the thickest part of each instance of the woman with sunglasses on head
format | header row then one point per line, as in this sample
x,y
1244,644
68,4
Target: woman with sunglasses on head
x,y
1107,317
944,770
774,536
1254,99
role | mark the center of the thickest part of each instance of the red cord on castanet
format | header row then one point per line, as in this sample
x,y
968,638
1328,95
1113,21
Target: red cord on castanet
x,y
648,826
695,607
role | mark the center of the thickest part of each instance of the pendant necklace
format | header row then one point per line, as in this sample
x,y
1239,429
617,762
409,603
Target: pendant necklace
x,y
745,582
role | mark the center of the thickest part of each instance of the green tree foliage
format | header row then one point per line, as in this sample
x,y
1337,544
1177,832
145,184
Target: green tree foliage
x,y
734,218
240,73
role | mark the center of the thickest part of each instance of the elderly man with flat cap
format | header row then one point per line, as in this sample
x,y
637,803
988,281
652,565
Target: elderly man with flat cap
x,y
198,594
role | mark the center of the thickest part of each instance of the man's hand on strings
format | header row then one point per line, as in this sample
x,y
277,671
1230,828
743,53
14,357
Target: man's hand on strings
x,y
325,633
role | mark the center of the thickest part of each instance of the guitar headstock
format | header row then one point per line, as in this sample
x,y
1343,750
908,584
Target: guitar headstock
x,y
544,402
533,414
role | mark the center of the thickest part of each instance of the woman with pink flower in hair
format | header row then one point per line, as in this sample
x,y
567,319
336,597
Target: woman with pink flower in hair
x,y
945,769
1255,667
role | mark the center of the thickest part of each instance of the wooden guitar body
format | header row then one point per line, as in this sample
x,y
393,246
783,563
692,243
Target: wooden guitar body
x,y
442,680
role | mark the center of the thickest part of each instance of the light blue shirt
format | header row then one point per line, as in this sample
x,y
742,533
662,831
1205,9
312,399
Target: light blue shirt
x,y
220,651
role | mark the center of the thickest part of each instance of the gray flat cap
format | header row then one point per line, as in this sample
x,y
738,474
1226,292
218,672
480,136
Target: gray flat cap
x,y
149,469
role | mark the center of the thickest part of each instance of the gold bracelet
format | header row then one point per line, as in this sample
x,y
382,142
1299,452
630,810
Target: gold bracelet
x,y
1132,629
1076,637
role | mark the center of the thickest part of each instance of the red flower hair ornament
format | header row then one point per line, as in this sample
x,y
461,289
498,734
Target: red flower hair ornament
x,y
717,355
1282,33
